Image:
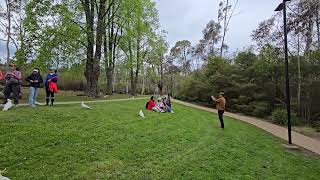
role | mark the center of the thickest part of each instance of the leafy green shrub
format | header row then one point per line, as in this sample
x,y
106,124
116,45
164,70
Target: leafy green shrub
x,y
316,124
245,109
260,109
279,116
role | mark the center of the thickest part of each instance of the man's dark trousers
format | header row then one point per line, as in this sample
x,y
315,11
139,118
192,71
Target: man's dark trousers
x,y
220,113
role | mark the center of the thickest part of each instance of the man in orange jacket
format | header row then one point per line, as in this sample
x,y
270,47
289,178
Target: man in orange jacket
x,y
221,106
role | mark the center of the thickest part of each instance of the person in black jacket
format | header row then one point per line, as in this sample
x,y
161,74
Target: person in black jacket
x,y
35,80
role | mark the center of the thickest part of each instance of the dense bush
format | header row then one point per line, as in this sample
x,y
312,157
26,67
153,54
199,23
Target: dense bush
x,y
254,85
260,109
279,116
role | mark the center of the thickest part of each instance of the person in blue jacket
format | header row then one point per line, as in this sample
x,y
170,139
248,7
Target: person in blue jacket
x,y
51,77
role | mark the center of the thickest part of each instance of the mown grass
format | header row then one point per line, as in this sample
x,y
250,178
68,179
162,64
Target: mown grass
x,y
112,142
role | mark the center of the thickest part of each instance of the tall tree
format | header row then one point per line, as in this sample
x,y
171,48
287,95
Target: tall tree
x,y
225,14
94,40
139,29
112,37
211,37
182,51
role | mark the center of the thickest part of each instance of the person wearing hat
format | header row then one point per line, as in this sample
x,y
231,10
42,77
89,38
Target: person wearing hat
x,y
51,81
12,84
35,80
221,106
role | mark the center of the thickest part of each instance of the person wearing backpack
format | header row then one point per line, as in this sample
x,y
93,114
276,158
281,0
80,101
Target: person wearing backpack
x,y
35,80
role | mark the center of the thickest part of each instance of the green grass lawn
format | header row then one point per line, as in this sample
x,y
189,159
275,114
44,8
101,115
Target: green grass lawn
x,y
112,142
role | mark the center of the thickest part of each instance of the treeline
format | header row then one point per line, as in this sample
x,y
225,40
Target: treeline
x,y
255,84
99,46
253,79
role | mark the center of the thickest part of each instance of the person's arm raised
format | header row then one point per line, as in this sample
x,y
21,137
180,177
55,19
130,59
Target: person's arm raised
x,y
213,98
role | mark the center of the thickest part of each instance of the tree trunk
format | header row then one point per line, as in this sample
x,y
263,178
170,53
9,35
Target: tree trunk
x,y
8,31
92,70
143,79
161,79
318,26
110,73
224,28
309,36
127,87
132,80
133,87
136,75
89,71
299,80
171,85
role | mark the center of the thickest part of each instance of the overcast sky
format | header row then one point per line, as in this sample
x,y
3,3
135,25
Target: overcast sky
x,y
185,19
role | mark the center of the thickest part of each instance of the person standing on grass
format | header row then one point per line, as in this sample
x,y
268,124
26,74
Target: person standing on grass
x,y
12,85
221,106
51,85
35,80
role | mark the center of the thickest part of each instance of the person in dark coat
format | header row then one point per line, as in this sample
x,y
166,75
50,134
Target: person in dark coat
x,y
35,80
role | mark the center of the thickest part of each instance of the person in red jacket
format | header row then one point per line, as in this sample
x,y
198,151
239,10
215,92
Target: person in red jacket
x,y
152,105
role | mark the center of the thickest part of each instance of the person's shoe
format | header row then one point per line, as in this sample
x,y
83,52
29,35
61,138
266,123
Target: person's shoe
x,y
37,103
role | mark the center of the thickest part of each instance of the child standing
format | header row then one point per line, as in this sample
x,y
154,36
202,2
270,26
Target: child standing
x,y
35,80
51,85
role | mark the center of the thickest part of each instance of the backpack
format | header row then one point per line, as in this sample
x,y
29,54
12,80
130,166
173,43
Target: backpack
x,y
147,105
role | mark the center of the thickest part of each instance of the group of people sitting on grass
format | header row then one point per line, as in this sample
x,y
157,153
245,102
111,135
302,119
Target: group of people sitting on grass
x,y
12,81
162,105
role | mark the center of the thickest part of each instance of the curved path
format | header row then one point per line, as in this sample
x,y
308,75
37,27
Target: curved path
x,y
281,132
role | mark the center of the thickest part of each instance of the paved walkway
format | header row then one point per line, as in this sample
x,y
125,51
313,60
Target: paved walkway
x,y
281,132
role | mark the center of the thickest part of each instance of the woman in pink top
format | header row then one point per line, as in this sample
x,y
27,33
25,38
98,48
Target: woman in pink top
x,y
12,86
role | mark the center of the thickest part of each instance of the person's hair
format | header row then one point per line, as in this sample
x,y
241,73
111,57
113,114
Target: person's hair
x,y
152,98
17,69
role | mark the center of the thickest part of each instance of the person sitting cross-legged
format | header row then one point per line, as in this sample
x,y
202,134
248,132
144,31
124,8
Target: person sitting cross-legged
x,y
152,106
161,106
168,104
